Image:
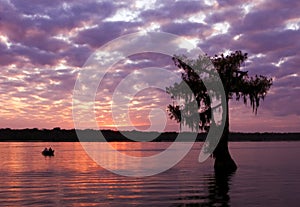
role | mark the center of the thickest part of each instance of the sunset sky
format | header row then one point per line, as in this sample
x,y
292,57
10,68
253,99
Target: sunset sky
x,y
44,44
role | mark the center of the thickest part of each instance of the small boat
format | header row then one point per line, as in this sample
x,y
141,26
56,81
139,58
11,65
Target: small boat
x,y
48,152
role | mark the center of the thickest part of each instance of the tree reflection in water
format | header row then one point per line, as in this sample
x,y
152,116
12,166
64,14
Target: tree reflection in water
x,y
219,188
217,194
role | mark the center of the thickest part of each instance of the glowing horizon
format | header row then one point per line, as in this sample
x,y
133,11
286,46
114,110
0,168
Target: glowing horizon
x,y
43,47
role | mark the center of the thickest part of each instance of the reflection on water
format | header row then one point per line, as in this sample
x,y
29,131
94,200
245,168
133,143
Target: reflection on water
x,y
219,189
265,177
216,194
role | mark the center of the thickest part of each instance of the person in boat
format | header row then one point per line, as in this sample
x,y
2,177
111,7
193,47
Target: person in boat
x,y
50,149
45,150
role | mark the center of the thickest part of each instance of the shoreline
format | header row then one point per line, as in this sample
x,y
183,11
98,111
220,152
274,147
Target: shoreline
x,y
89,135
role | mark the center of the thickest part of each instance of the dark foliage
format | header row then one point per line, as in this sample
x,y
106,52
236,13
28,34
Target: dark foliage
x,y
237,84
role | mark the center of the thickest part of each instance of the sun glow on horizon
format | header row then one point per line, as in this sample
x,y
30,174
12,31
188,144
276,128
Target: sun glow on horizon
x,y
45,46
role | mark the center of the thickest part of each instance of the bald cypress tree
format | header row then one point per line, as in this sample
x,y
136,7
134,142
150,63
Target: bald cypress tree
x,y
237,85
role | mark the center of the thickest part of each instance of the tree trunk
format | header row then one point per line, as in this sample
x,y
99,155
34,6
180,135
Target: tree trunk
x,y
223,160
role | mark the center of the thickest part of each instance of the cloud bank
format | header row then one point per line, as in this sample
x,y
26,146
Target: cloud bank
x,y
43,45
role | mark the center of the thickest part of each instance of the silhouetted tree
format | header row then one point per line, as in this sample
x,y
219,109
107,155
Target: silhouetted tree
x,y
237,84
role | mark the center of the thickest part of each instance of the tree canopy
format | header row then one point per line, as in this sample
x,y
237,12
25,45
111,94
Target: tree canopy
x,y
237,85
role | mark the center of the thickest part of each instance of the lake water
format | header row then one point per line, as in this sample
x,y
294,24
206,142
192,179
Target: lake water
x,y
268,175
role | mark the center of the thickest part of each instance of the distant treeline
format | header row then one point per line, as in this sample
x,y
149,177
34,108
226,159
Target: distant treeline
x,y
71,135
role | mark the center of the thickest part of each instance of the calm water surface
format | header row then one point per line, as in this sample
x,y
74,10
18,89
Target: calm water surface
x,y
268,175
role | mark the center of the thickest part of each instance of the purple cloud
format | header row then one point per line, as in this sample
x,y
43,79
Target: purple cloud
x,y
43,45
